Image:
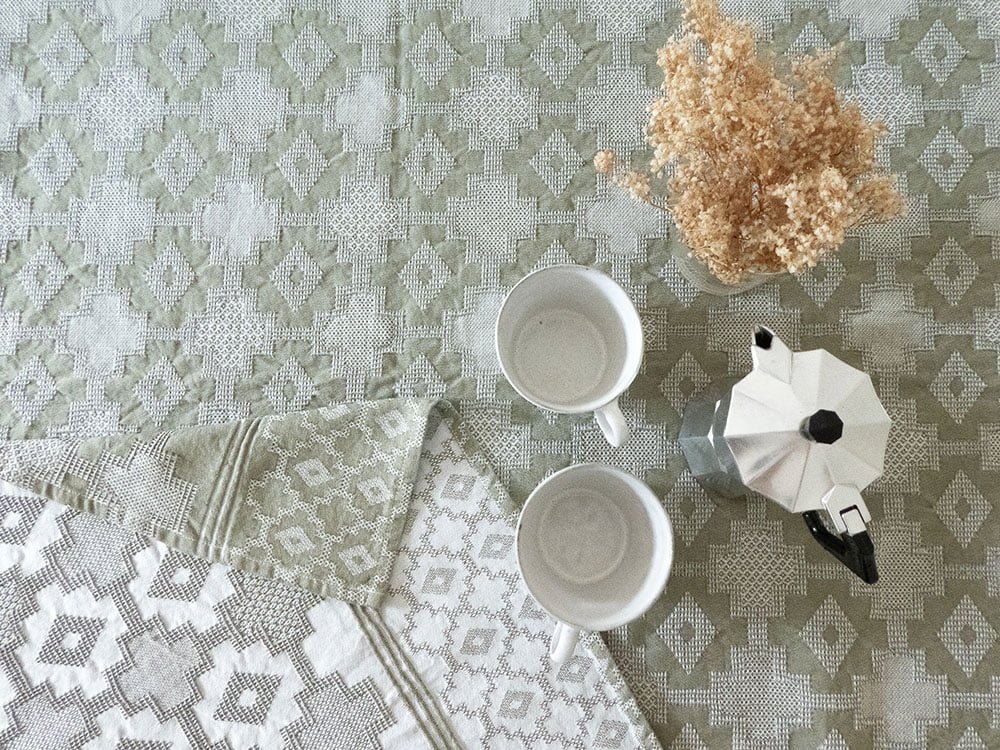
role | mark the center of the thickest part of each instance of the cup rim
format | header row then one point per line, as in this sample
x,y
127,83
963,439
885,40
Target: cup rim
x,y
644,489
593,404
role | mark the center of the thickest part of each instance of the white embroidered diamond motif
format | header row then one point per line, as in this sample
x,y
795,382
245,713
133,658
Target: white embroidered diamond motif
x,y
829,634
962,508
822,281
357,559
952,271
63,56
685,379
967,635
687,631
291,388
296,276
946,160
294,540
31,390
425,275
303,164
429,163
186,55
160,390
558,55
169,276
178,164
957,386
556,162
53,164
308,56
689,507
42,276
940,52
432,56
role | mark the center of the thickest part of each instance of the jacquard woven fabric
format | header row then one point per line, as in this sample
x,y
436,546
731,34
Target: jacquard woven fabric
x,y
225,210
317,498
109,639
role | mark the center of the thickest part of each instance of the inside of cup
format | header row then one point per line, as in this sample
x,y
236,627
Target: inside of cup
x,y
569,338
594,547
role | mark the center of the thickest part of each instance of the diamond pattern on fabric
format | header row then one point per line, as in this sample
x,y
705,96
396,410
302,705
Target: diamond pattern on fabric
x,y
309,55
186,55
170,276
63,55
967,635
939,52
53,164
830,635
181,290
432,56
43,275
178,165
556,162
558,55
302,164
296,276
687,631
957,387
952,271
429,163
70,640
946,160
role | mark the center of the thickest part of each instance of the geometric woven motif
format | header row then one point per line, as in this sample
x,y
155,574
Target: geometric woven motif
x,y
210,213
166,649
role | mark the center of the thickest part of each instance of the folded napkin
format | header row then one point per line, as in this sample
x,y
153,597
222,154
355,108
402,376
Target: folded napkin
x,y
342,577
316,498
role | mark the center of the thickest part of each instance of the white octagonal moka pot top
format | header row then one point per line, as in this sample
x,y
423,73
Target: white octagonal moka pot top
x,y
806,429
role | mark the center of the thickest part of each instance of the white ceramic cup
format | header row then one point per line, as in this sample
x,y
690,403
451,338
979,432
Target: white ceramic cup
x,y
569,339
594,547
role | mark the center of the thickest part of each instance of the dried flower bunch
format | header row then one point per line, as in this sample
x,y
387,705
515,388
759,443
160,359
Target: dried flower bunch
x,y
766,170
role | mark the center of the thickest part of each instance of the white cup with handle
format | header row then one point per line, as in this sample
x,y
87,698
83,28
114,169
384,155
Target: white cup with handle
x,y
569,339
594,547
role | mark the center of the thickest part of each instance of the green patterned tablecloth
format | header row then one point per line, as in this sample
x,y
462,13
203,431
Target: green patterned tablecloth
x,y
222,211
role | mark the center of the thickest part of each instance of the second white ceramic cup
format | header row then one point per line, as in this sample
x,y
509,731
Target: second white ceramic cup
x,y
569,339
594,547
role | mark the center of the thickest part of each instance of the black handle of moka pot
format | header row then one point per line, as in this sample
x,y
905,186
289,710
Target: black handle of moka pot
x,y
856,551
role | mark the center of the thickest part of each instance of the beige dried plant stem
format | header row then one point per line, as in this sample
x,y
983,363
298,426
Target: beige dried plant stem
x,y
766,168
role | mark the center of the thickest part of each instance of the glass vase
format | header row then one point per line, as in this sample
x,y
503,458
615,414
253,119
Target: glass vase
x,y
701,278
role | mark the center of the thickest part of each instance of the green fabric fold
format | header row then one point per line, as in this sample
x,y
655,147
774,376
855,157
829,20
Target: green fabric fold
x,y
317,498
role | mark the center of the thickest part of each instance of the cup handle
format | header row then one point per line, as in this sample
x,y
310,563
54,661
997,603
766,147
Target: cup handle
x,y
563,643
612,423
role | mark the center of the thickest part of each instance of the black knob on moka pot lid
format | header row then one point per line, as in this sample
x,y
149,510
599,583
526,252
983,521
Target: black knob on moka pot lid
x,y
762,338
823,426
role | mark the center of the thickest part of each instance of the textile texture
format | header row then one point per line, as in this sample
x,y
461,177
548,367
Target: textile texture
x,y
219,212
316,498
109,639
